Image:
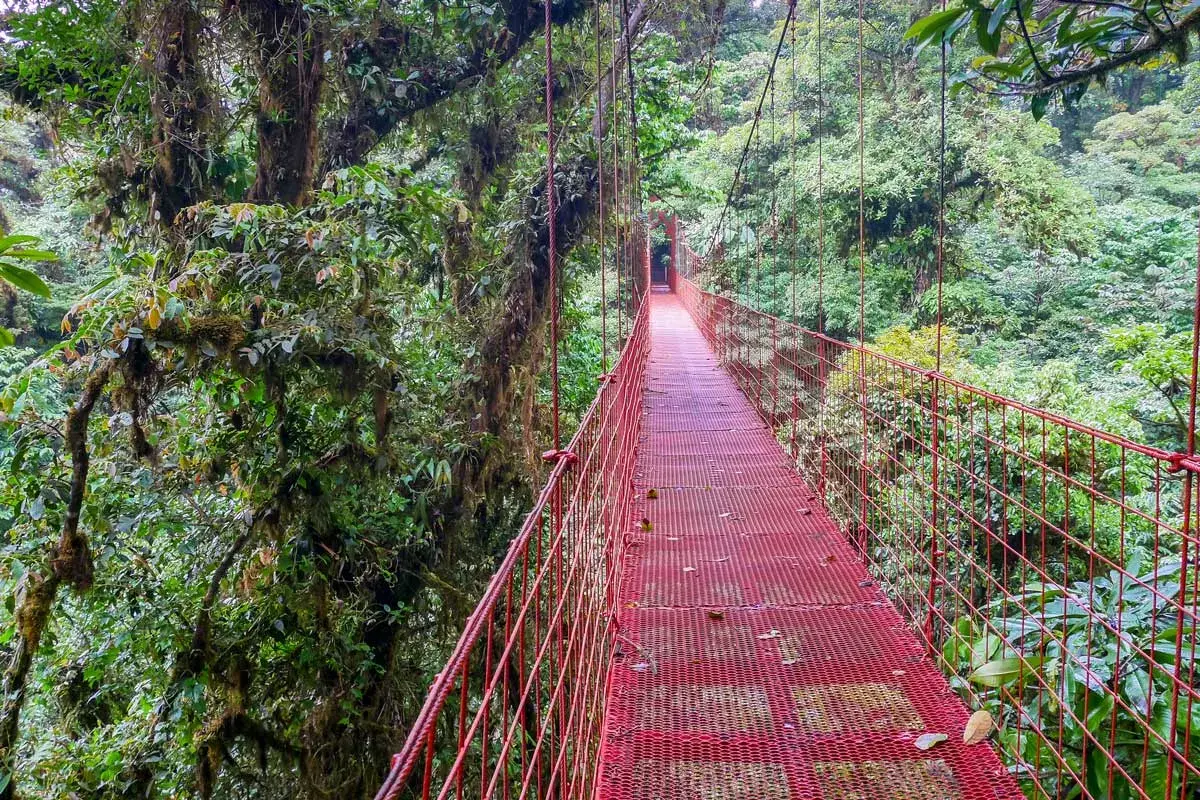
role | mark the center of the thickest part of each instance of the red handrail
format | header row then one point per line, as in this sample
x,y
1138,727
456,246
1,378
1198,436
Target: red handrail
x,y
517,709
1059,585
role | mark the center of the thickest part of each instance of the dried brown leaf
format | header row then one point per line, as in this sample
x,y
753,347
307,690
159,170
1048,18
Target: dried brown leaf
x,y
979,727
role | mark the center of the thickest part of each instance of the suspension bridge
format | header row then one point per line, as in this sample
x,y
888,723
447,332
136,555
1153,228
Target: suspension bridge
x,y
771,564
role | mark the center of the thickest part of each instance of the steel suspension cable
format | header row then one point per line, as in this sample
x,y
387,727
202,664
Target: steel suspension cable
x,y
794,411
635,183
618,224
1189,512
600,200
762,98
795,209
774,229
862,282
756,263
552,223
774,212
822,371
935,546
820,169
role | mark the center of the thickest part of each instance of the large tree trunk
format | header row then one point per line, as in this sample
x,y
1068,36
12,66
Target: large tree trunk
x,y
182,109
289,48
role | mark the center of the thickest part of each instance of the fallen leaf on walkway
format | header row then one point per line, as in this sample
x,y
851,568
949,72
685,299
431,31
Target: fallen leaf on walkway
x,y
865,584
726,514
828,560
804,512
689,569
979,727
631,604
787,662
771,634
898,672
927,741
652,494
672,538
647,525
717,615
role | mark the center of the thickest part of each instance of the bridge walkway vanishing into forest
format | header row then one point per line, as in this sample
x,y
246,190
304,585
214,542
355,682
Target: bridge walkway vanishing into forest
x,y
757,658
693,612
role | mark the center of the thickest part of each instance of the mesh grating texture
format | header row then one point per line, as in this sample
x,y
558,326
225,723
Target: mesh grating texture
x,y
756,659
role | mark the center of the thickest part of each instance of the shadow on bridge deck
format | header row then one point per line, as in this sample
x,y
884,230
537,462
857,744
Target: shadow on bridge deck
x,y
757,659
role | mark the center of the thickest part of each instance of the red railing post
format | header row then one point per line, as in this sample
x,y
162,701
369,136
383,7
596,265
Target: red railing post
x,y
822,404
775,366
935,551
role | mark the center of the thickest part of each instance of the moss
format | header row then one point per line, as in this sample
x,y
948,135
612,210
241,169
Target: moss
x,y
222,333
33,606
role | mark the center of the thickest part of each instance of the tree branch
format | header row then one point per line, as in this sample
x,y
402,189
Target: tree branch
x,y
351,138
1148,47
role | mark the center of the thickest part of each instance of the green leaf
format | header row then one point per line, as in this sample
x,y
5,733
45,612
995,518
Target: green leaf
x,y
996,20
104,283
989,40
928,28
1136,688
1038,105
1099,713
6,337
1004,670
984,648
32,255
1064,27
24,279
8,242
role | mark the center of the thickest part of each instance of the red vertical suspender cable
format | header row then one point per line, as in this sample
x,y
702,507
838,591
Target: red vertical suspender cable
x,y
774,222
795,210
794,412
862,284
756,275
822,372
635,188
935,537
737,175
1189,517
600,200
618,222
551,222
820,172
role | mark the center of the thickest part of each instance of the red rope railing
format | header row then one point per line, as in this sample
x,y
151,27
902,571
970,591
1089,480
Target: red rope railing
x,y
1047,565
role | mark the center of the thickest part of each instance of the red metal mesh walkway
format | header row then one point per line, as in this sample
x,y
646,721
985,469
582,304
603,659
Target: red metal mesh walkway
x,y
756,658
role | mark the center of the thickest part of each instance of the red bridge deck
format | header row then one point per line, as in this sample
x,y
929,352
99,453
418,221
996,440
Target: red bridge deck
x,y
757,659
